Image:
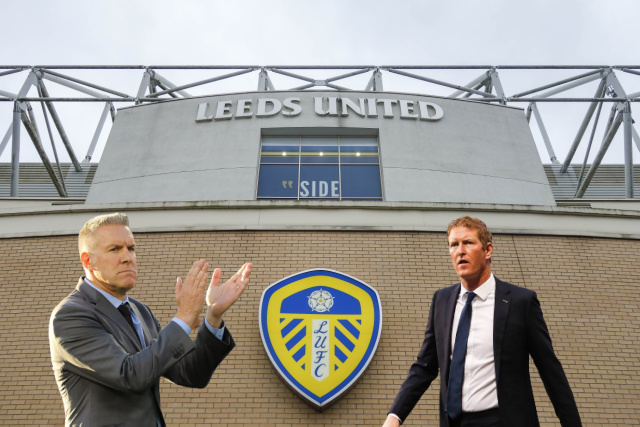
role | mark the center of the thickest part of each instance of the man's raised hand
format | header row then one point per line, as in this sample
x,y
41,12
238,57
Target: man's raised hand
x,y
190,295
221,297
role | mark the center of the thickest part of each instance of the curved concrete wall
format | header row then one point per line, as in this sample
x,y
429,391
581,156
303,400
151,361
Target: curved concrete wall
x,y
431,149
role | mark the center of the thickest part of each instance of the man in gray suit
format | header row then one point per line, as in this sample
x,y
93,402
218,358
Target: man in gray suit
x,y
109,350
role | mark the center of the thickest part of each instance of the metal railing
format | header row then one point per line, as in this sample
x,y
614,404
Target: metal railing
x,y
486,85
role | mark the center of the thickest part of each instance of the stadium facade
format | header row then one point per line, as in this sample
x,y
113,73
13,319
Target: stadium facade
x,y
358,182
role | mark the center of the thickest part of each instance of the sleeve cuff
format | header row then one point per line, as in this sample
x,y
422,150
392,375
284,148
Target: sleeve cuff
x,y
182,324
218,333
395,416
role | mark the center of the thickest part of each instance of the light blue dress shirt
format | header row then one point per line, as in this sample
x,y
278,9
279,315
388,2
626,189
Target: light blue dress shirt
x,y
116,302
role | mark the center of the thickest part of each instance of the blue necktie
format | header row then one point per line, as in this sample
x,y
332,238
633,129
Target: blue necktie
x,y
126,313
456,372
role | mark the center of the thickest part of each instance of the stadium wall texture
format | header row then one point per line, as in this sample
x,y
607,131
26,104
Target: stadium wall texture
x,y
586,286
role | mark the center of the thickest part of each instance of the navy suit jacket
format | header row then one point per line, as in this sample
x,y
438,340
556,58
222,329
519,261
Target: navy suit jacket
x,y
104,375
519,330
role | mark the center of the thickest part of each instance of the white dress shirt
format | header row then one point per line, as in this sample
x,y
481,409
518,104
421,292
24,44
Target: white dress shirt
x,y
479,389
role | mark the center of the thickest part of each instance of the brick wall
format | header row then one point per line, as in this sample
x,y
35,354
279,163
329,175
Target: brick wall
x,y
587,288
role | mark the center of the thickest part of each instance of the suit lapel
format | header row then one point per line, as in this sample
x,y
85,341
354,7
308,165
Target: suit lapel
x,y
500,316
450,308
110,312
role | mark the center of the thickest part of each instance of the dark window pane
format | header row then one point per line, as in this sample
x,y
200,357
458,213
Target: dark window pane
x,y
278,181
319,181
351,154
319,150
361,181
358,150
319,154
280,150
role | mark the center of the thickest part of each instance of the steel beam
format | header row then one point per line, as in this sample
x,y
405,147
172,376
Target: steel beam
x,y
82,82
6,73
347,75
53,145
170,85
490,98
568,86
58,123
331,85
543,132
96,134
613,81
375,82
603,150
43,155
29,81
8,95
303,87
588,151
583,127
201,82
163,86
626,70
558,83
264,82
144,84
438,82
633,95
15,150
497,84
612,116
32,118
73,86
478,89
478,80
628,152
295,76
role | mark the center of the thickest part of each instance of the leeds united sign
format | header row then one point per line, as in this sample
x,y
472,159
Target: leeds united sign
x,y
331,106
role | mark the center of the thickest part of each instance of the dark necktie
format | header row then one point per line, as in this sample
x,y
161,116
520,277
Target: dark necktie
x,y
456,372
126,313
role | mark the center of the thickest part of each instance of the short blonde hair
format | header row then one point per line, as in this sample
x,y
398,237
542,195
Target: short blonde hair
x,y
85,237
484,234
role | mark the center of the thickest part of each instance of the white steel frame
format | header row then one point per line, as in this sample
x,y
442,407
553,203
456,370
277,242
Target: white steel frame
x,y
486,87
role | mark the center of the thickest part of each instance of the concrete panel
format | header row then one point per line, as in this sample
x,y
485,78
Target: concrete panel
x,y
420,184
203,149
30,221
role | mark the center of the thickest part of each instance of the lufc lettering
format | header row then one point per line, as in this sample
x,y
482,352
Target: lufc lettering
x,y
332,106
320,357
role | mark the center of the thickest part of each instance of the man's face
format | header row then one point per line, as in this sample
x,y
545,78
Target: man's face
x,y
111,265
470,259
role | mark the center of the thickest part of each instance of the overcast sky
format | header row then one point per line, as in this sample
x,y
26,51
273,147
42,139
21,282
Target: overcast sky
x,y
288,32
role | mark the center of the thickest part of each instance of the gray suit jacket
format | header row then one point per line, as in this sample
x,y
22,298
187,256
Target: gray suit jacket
x,y
103,374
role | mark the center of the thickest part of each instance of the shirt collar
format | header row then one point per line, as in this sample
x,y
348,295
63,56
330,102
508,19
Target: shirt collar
x,y
116,302
483,290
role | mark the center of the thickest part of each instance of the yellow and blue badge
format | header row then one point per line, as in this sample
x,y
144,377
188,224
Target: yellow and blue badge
x,y
320,329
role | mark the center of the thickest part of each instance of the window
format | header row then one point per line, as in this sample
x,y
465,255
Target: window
x,y
324,168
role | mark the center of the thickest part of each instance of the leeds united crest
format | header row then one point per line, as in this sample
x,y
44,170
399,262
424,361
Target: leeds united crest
x,y
320,329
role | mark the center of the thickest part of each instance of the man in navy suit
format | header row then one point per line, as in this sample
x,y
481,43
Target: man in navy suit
x,y
503,326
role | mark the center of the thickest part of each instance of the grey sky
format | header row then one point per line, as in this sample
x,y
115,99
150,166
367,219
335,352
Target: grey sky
x,y
283,32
